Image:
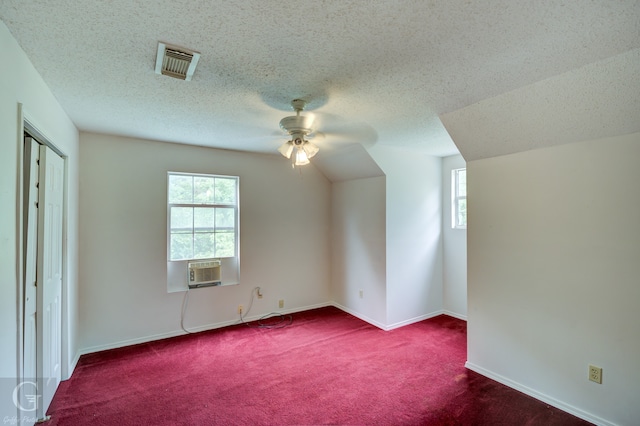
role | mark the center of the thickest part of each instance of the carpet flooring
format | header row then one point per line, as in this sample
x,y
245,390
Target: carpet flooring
x,y
326,368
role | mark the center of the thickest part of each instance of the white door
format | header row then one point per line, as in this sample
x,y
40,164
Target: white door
x,y
49,276
32,152
28,405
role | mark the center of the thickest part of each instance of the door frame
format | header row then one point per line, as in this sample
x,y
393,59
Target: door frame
x,y
26,123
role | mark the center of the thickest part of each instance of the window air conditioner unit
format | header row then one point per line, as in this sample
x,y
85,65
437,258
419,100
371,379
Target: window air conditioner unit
x,y
204,273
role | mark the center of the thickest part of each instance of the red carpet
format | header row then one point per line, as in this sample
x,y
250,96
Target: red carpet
x,y
327,367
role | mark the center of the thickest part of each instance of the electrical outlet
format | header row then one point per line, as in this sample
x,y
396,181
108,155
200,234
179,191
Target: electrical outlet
x,y
281,303
361,293
240,309
259,291
595,374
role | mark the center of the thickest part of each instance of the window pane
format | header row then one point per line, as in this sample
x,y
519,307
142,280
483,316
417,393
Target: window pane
x,y
462,212
180,189
225,244
203,219
225,191
203,190
181,220
205,231
462,183
181,246
225,219
203,245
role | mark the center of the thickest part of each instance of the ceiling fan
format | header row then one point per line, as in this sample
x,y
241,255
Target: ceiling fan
x,y
299,127
332,132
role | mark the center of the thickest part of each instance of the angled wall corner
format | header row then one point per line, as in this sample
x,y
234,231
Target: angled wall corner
x,y
413,233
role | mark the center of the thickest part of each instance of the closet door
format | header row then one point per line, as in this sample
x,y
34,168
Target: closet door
x,y
31,174
49,275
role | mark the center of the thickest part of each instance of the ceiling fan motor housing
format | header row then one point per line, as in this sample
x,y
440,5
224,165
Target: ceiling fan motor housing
x,y
297,124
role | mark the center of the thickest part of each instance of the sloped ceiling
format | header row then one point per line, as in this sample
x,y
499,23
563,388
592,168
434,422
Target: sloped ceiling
x,y
351,162
595,101
376,72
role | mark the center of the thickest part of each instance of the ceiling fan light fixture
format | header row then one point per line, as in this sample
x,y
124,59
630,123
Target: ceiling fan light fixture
x,y
310,149
286,149
301,157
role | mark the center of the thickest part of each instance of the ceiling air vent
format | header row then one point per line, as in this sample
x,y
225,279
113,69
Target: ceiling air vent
x,y
176,62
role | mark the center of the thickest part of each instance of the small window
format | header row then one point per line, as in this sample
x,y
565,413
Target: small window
x,y
459,198
202,216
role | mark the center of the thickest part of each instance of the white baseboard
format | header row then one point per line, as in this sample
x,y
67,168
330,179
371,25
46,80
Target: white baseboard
x,y
359,315
213,326
540,396
72,365
130,342
386,327
206,327
455,315
293,311
414,320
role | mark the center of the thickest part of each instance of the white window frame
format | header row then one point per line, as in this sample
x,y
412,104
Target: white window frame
x,y
230,266
456,197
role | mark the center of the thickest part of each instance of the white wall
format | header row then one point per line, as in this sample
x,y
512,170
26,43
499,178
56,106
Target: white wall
x,y
284,239
554,267
454,246
358,248
20,83
413,227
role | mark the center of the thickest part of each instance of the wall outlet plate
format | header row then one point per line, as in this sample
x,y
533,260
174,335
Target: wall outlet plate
x,y
595,374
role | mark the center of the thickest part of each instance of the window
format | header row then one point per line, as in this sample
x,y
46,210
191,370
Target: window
x,y
459,198
202,216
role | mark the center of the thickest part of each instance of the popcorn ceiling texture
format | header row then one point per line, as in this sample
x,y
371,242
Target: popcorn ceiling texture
x,y
374,72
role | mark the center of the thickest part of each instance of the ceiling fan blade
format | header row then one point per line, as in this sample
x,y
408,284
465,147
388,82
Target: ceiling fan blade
x,y
339,130
325,131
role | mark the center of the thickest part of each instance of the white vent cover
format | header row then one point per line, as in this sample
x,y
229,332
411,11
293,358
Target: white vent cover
x,y
176,62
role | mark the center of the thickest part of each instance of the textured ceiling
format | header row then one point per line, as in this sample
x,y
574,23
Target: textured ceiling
x,y
373,71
